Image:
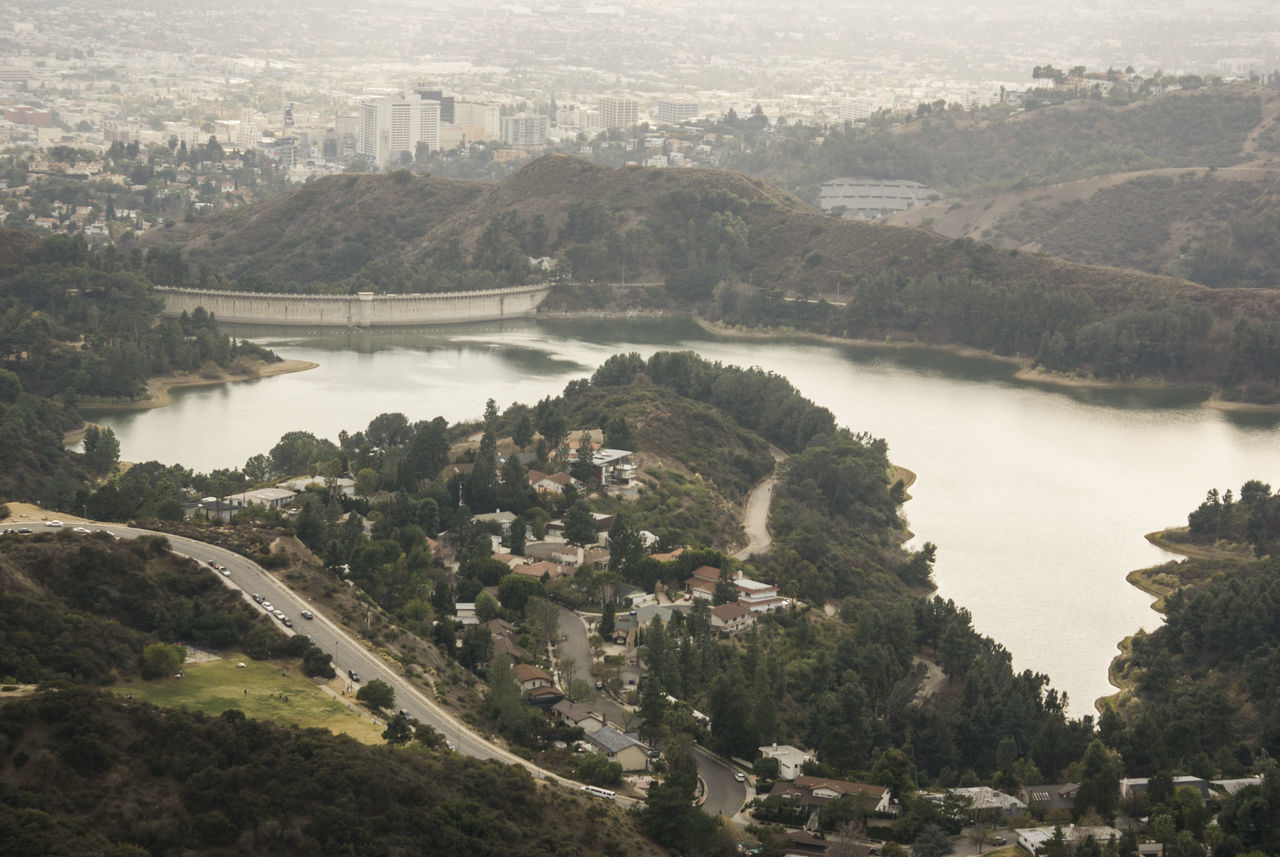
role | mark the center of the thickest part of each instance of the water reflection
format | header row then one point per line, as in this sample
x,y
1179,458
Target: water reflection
x,y
1038,497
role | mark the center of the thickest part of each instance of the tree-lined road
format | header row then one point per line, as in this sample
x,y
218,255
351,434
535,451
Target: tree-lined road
x,y
725,795
348,652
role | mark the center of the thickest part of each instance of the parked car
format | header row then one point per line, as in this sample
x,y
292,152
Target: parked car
x,y
266,605
353,675
739,776
288,623
258,598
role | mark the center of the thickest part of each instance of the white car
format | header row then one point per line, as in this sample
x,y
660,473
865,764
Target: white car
x,y
266,605
279,614
81,530
54,523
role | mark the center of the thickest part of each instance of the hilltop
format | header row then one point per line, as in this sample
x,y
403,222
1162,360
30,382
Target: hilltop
x,y
738,250
772,236
1212,226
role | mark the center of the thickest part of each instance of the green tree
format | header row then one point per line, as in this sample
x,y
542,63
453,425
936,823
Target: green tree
x,y
579,524
101,449
366,482
487,607
399,730
10,386
895,770
516,536
583,466
522,435
515,590
161,660
1100,782
317,662
476,650
607,620
932,841
376,693
598,770
626,547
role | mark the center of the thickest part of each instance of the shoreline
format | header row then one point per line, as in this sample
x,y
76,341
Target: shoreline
x,y
1137,578
158,389
1025,372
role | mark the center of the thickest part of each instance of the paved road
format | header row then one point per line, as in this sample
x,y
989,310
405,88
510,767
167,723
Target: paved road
x,y
574,647
755,518
725,795
348,653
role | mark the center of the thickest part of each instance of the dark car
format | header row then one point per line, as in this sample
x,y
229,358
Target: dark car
x,y
353,675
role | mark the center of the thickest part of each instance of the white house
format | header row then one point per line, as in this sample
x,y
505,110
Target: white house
x,y
790,759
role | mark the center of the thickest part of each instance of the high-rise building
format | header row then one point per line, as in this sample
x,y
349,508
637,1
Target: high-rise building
x,y
524,129
446,102
675,112
857,109
617,112
480,119
390,127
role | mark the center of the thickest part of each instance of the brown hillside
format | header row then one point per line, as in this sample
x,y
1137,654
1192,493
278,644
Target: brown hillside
x,y
323,232
1152,220
317,233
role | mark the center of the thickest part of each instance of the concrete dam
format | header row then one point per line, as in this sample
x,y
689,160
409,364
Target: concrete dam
x,y
363,309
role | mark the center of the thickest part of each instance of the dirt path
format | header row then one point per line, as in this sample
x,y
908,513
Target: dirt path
x,y
755,518
934,680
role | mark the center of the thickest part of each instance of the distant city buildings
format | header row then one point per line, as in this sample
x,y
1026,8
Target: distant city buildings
x,y
675,112
524,129
867,199
476,121
858,109
617,112
390,128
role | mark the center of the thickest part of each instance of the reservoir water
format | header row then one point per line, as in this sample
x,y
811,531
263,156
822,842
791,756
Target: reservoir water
x,y
1038,498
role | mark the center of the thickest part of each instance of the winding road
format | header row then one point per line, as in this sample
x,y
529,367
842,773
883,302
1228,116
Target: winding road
x,y
755,518
724,794
348,653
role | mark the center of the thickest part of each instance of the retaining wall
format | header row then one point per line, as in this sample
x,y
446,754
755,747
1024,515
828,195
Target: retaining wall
x,y
363,309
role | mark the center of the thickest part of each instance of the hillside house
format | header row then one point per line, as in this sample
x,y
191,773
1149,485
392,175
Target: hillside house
x,y
790,759
1044,799
627,751
732,619
812,793
531,678
577,714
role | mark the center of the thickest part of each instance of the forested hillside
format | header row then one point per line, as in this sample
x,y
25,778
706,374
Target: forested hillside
x,y
1201,692
92,610
955,153
83,773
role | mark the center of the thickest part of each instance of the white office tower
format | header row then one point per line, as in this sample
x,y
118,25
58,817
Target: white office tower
x,y
616,112
390,127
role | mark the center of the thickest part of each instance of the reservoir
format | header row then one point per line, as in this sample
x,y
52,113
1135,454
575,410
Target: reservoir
x,y
1037,497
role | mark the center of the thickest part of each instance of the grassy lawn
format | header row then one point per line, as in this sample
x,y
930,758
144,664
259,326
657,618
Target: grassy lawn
x,y
260,691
